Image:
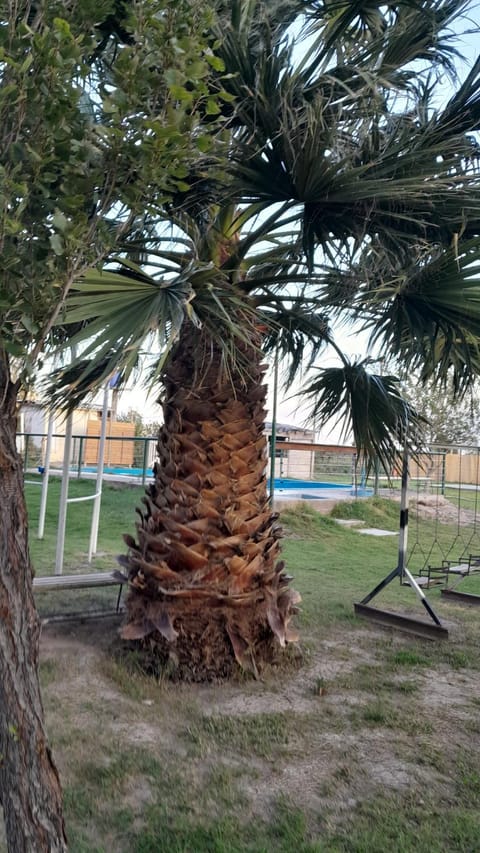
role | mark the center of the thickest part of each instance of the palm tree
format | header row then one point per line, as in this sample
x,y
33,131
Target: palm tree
x,y
333,188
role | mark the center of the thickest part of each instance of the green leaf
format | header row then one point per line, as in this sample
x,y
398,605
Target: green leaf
x,y
215,62
57,244
204,143
60,221
212,108
13,348
29,324
27,63
180,93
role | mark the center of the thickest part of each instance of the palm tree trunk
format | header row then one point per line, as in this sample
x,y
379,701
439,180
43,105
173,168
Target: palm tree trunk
x,y
29,785
206,587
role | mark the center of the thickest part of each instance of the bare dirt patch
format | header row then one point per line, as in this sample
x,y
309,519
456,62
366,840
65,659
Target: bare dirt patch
x,y
438,507
330,761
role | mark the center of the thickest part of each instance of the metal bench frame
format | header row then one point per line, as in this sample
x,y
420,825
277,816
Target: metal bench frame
x,y
87,581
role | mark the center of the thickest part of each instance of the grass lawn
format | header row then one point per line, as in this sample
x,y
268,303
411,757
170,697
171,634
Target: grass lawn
x,y
117,517
366,741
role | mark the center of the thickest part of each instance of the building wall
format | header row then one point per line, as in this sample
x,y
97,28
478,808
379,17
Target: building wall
x,y
33,421
85,422
294,464
300,464
117,453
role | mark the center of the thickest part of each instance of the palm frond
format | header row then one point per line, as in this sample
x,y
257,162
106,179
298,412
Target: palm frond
x,y
343,152
118,312
298,332
428,316
461,115
391,34
123,313
369,406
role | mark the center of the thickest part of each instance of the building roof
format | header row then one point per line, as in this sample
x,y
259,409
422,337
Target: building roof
x,y
288,428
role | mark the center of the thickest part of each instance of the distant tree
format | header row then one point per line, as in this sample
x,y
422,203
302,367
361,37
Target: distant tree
x,y
142,427
448,419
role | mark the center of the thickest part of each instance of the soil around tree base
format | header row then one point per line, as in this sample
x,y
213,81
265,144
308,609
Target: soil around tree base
x,y
202,652
371,717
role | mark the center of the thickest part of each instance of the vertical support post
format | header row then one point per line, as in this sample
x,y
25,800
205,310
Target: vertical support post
x,y
375,482
62,513
98,488
26,445
403,534
80,457
354,474
145,460
444,471
273,437
45,477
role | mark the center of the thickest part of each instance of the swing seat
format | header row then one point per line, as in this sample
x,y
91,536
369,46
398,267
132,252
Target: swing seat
x,y
460,569
470,566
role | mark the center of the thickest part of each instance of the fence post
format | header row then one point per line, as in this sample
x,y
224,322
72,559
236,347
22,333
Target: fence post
x,y
354,473
25,456
444,471
145,460
80,455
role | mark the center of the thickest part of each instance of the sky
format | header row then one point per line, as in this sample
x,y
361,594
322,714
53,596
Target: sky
x,y
289,407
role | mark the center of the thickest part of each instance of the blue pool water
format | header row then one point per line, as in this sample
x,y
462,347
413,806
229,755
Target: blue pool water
x,y
280,484
124,472
308,488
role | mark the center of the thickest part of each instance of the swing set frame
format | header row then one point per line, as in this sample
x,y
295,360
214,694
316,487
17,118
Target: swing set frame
x,y
432,630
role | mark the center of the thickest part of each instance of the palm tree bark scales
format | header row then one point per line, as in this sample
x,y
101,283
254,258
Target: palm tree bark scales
x,y
29,784
206,585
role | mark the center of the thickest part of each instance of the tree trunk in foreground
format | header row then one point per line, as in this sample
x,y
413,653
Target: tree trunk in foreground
x,y
206,587
29,785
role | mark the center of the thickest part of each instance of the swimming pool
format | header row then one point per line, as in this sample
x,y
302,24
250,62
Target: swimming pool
x,y
279,482
282,483
317,490
122,472
286,488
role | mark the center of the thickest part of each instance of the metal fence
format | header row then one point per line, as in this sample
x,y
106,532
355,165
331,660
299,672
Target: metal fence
x,y
134,457
434,468
124,456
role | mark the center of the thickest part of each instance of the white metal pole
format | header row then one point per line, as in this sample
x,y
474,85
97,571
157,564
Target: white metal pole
x,y
62,513
273,436
45,476
98,488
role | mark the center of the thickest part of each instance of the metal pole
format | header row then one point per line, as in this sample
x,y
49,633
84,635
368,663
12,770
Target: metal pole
x,y
403,535
145,460
375,482
62,513
45,477
98,488
273,437
444,470
355,478
80,454
25,458
428,607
